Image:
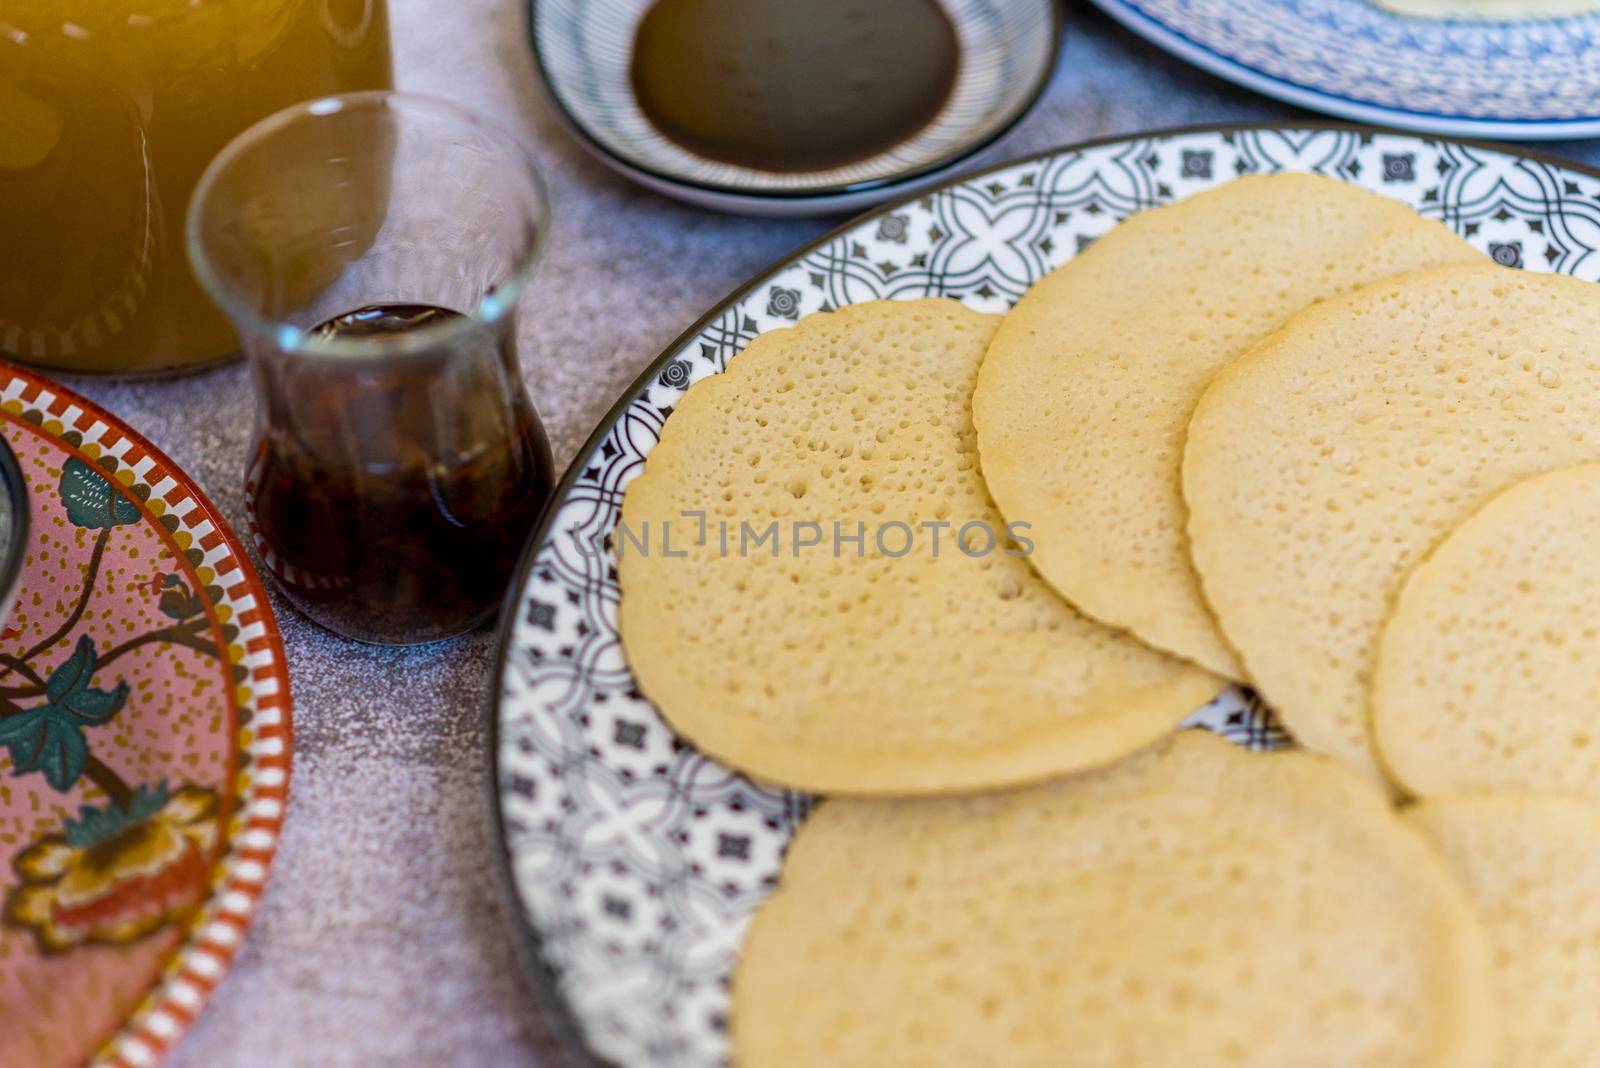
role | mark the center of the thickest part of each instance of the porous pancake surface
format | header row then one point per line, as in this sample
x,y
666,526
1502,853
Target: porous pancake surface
x,y
1086,392
1328,460
1531,867
920,659
1487,677
1196,904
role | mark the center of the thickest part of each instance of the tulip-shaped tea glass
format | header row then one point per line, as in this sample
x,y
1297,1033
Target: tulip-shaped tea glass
x,y
370,250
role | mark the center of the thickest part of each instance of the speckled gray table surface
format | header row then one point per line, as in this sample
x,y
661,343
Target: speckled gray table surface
x,y
382,937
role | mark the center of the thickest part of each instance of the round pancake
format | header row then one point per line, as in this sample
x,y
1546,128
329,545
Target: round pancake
x,y
1487,678
1084,395
1324,463
1195,905
1531,867
891,666
1496,10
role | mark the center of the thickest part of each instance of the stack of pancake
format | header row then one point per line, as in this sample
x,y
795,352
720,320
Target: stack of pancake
x,y
1286,433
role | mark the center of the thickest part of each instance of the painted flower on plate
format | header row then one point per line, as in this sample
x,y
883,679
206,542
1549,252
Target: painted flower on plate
x,y
116,873
894,228
783,303
1506,254
1196,164
1400,167
675,375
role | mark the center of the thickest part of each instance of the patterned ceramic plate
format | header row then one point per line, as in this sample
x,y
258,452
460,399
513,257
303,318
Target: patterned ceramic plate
x,y
144,743
1535,79
635,860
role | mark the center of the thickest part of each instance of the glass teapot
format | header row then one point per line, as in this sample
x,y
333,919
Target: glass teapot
x,y
109,111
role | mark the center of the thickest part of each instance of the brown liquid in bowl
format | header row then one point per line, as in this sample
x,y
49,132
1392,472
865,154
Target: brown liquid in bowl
x,y
793,85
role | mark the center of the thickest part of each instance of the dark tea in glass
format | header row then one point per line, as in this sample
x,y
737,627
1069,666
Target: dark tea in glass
x,y
391,502
399,465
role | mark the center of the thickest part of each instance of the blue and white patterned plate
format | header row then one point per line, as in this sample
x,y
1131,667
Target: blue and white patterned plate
x,y
1533,79
634,860
584,50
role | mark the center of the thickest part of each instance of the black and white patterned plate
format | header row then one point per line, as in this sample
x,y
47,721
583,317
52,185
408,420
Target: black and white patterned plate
x,y
634,861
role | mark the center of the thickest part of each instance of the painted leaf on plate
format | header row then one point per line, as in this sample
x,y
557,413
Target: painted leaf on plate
x,y
91,500
48,738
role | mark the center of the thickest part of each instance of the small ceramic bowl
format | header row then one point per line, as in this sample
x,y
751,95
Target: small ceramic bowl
x,y
584,49
13,527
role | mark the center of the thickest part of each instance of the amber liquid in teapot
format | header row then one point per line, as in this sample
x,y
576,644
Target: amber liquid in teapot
x,y
109,112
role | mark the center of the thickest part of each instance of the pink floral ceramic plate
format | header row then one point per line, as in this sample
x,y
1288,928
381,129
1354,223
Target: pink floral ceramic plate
x,y
144,743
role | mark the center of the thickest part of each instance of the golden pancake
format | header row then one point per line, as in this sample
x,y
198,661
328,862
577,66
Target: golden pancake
x,y
1322,465
1531,867
915,659
1487,677
1496,10
1087,389
1195,906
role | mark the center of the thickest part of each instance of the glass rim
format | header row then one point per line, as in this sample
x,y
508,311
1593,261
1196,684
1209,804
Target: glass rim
x,y
293,340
